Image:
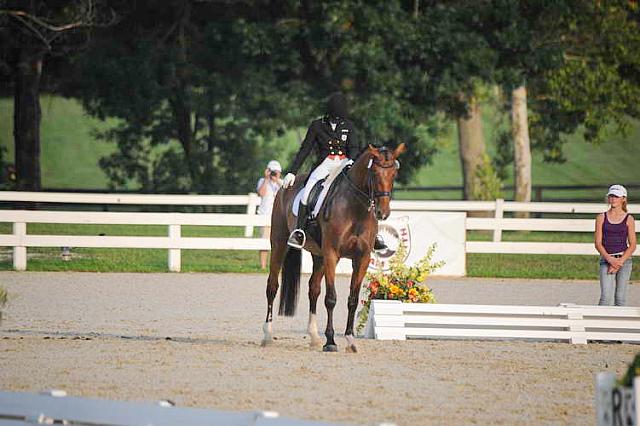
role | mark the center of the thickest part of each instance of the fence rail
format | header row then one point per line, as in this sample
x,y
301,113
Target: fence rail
x,y
20,240
537,191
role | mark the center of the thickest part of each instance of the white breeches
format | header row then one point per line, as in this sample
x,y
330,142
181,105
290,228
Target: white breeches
x,y
320,172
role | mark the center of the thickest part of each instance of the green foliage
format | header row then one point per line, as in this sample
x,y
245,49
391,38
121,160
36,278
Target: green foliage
x,y
487,184
632,371
217,86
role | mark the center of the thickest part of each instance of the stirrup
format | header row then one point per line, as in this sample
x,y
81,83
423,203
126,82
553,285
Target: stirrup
x,y
292,241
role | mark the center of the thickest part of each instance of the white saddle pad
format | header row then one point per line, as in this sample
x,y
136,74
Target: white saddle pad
x,y
325,188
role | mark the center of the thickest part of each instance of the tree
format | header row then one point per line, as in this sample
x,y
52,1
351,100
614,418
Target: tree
x,y
221,79
192,106
569,64
30,32
448,66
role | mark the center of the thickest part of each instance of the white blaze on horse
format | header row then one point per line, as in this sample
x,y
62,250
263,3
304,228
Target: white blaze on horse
x,y
346,227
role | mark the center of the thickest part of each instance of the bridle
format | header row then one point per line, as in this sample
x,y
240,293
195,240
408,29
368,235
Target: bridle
x,y
372,195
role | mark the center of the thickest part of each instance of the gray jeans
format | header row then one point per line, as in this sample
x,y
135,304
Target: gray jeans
x,y
618,281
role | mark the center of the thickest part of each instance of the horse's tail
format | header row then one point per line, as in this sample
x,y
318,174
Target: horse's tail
x,y
290,282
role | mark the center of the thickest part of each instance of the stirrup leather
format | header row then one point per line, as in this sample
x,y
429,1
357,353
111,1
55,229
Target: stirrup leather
x,y
292,242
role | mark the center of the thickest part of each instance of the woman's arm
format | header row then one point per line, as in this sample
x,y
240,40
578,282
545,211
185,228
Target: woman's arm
x,y
262,186
631,236
598,238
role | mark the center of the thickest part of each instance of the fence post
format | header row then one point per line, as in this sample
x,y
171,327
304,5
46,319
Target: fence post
x,y
497,231
20,251
252,204
174,254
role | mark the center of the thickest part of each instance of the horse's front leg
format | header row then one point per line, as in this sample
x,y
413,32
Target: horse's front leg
x,y
360,266
314,291
330,261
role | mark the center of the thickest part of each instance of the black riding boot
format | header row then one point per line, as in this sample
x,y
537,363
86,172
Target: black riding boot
x,y
298,236
379,244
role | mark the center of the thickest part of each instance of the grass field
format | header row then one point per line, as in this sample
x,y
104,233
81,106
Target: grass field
x,y
70,151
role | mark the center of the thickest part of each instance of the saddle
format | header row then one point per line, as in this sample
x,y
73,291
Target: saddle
x,y
320,195
319,192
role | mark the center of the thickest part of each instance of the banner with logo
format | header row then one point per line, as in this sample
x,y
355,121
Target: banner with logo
x,y
417,231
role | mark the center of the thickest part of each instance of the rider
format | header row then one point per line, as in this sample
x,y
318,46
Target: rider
x,y
333,139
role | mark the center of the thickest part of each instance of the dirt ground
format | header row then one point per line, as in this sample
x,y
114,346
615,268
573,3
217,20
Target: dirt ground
x,y
195,339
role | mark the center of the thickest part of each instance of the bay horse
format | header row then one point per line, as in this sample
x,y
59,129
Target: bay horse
x,y
347,224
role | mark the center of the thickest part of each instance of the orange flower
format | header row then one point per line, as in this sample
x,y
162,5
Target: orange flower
x,y
413,295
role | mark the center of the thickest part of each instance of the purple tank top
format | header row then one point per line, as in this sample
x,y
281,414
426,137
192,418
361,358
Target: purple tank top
x,y
614,235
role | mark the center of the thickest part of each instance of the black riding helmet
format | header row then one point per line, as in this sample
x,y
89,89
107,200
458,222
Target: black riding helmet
x,y
337,106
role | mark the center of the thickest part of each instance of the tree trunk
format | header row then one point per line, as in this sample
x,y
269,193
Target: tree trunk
x,y
26,119
472,147
522,147
181,100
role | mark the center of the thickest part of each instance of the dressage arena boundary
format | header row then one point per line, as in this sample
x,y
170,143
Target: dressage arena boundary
x,y
394,320
17,408
20,240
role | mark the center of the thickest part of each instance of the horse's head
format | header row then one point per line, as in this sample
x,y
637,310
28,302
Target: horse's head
x,y
383,167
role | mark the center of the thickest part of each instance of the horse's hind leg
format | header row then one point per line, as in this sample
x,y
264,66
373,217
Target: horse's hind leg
x,y
314,291
359,270
278,252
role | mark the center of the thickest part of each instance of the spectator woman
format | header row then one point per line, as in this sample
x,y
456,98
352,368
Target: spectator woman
x,y
267,187
615,240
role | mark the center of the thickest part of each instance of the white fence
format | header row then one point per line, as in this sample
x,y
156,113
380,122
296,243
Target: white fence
x,y
394,320
174,241
499,223
251,200
20,240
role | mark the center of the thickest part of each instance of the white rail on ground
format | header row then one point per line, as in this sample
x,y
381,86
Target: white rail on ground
x,y
18,408
393,320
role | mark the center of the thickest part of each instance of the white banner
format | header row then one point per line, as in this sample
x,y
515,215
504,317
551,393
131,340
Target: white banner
x,y
418,231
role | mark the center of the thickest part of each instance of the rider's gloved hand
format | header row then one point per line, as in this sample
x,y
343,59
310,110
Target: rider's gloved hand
x,y
288,180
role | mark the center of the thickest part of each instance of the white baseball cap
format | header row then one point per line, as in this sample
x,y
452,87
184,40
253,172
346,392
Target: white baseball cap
x,y
617,190
274,165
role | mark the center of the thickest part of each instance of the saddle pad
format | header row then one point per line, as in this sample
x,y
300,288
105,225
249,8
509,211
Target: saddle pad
x,y
327,184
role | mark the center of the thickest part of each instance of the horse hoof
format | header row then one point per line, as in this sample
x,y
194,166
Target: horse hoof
x,y
330,348
352,349
266,342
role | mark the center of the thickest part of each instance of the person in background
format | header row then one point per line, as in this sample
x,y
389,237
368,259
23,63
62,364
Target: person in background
x,y
267,187
615,240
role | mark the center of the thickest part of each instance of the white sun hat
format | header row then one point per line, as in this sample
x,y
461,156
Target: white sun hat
x,y
617,190
274,165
